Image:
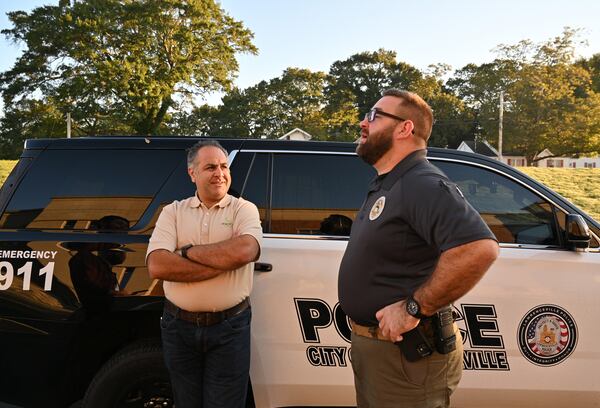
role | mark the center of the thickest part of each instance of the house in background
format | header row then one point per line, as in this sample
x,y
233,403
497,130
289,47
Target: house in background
x,y
296,134
483,147
542,159
546,160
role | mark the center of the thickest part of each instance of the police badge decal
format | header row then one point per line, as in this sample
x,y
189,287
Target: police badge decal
x,y
377,208
547,335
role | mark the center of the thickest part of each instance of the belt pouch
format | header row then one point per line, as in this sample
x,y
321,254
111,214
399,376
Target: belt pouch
x,y
414,346
443,331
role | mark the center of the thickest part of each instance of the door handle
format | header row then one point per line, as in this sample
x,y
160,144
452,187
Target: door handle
x,y
263,267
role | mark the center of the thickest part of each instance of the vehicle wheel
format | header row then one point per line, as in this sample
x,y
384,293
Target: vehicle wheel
x,y
136,377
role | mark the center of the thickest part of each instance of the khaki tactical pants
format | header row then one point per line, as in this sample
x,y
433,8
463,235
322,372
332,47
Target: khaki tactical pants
x,y
385,379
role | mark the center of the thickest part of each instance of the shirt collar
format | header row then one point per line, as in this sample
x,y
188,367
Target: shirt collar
x,y
410,161
387,180
225,201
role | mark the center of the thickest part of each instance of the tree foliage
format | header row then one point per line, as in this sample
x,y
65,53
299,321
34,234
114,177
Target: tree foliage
x,y
28,119
592,65
136,67
328,106
270,108
550,101
124,62
355,85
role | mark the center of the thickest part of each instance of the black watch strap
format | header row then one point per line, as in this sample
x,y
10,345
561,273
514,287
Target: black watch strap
x,y
185,249
413,308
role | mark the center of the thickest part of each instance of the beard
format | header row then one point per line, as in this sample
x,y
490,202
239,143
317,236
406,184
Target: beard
x,y
375,146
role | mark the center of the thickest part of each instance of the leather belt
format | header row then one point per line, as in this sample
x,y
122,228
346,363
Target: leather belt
x,y
206,318
374,332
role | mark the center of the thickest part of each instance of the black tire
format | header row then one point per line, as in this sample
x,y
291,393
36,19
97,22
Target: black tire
x,y
136,377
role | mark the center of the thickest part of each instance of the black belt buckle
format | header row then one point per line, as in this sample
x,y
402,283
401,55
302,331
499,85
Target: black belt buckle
x,y
210,318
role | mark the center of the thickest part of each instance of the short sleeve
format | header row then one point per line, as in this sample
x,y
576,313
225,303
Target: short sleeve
x,y
247,221
164,235
438,211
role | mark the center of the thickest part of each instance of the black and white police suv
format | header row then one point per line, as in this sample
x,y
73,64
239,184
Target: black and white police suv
x,y
79,315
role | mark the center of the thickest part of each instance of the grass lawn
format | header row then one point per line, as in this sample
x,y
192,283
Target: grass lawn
x,y
581,186
5,167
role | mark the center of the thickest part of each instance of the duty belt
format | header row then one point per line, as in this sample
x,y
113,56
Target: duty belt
x,y
206,318
374,332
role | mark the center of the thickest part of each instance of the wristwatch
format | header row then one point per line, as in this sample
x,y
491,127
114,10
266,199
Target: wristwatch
x,y
413,308
185,249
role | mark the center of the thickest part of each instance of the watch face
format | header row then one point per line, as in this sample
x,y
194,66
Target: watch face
x,y
412,307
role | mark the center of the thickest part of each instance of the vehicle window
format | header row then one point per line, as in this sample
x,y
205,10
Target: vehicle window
x,y
513,213
239,172
9,185
88,189
254,185
177,187
317,193
248,179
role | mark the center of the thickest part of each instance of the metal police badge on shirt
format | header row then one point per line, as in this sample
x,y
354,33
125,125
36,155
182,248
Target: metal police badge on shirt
x,y
377,208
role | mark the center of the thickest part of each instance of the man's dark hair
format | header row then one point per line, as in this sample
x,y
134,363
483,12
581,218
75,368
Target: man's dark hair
x,y
193,151
413,107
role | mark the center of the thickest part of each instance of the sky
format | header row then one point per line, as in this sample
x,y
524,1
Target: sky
x,y
314,34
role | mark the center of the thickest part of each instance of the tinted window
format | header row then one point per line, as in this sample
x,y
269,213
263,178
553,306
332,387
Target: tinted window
x,y
249,179
255,181
239,172
178,187
79,189
317,193
513,213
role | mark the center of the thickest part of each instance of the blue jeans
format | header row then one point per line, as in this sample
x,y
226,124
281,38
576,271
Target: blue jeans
x,y
209,365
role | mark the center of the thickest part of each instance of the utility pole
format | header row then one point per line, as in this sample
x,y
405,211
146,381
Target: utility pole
x,y
500,119
68,125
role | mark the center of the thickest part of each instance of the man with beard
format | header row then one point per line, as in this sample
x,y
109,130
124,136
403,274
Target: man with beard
x,y
416,246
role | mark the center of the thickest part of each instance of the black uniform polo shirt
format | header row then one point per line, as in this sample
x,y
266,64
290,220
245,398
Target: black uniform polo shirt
x,y
410,216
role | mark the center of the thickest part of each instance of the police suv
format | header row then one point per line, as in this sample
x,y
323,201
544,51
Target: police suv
x,y
79,315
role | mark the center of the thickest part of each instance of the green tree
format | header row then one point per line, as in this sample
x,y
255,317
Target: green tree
x,y
198,122
127,60
270,108
478,87
28,119
453,120
550,101
365,75
355,84
235,117
592,65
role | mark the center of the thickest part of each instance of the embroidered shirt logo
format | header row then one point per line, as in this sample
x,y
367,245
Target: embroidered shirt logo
x,y
377,208
227,222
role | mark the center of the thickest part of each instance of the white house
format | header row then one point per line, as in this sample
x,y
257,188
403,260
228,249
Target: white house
x,y
545,157
296,134
546,160
478,146
483,147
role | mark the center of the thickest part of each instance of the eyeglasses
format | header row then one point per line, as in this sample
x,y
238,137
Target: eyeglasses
x,y
372,114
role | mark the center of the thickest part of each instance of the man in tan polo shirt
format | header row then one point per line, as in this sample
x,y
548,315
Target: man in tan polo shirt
x,y
203,249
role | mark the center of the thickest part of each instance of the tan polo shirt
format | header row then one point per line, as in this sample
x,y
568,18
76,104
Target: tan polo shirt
x,y
190,222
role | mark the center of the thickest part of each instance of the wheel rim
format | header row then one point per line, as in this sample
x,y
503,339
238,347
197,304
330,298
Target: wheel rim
x,y
147,394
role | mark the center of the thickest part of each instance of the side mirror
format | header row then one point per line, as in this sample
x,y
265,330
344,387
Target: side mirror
x,y
578,232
